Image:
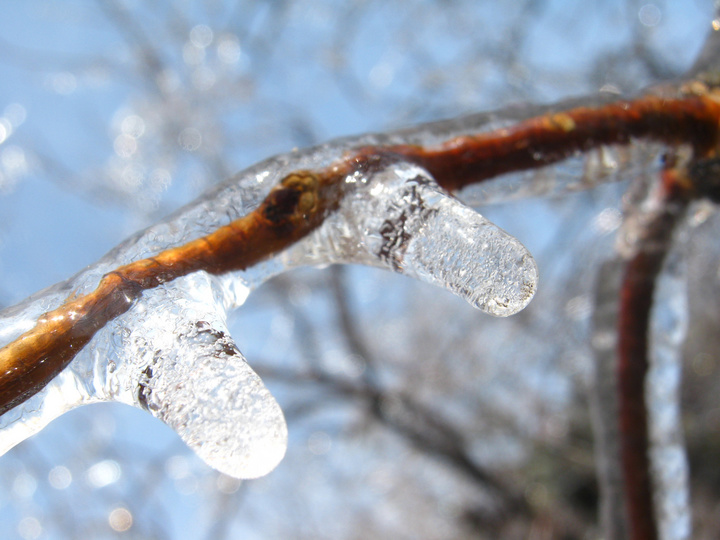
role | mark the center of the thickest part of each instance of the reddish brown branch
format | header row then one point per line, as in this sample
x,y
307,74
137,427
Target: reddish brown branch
x,y
303,199
636,298
551,138
632,369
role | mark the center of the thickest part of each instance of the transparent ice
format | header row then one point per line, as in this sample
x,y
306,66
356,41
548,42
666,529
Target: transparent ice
x,y
171,353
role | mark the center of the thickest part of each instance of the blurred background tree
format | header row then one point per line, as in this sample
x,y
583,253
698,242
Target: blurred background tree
x,y
410,414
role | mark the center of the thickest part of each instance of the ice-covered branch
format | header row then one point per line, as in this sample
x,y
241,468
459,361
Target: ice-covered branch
x,y
649,237
640,321
146,324
631,487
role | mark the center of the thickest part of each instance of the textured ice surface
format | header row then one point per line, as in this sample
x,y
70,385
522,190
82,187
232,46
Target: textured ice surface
x,y
401,220
668,456
171,354
183,367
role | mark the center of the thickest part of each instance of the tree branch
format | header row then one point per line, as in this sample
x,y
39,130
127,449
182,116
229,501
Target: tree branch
x,y
636,300
303,199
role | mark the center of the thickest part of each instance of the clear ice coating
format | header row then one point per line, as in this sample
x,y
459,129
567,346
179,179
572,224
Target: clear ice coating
x,y
400,219
171,353
668,455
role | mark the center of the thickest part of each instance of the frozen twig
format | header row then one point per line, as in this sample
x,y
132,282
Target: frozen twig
x,y
383,201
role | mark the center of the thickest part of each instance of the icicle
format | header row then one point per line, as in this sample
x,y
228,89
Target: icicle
x,y
401,220
172,356
182,366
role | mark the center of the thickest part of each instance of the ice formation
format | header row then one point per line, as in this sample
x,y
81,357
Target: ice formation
x,y
171,354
